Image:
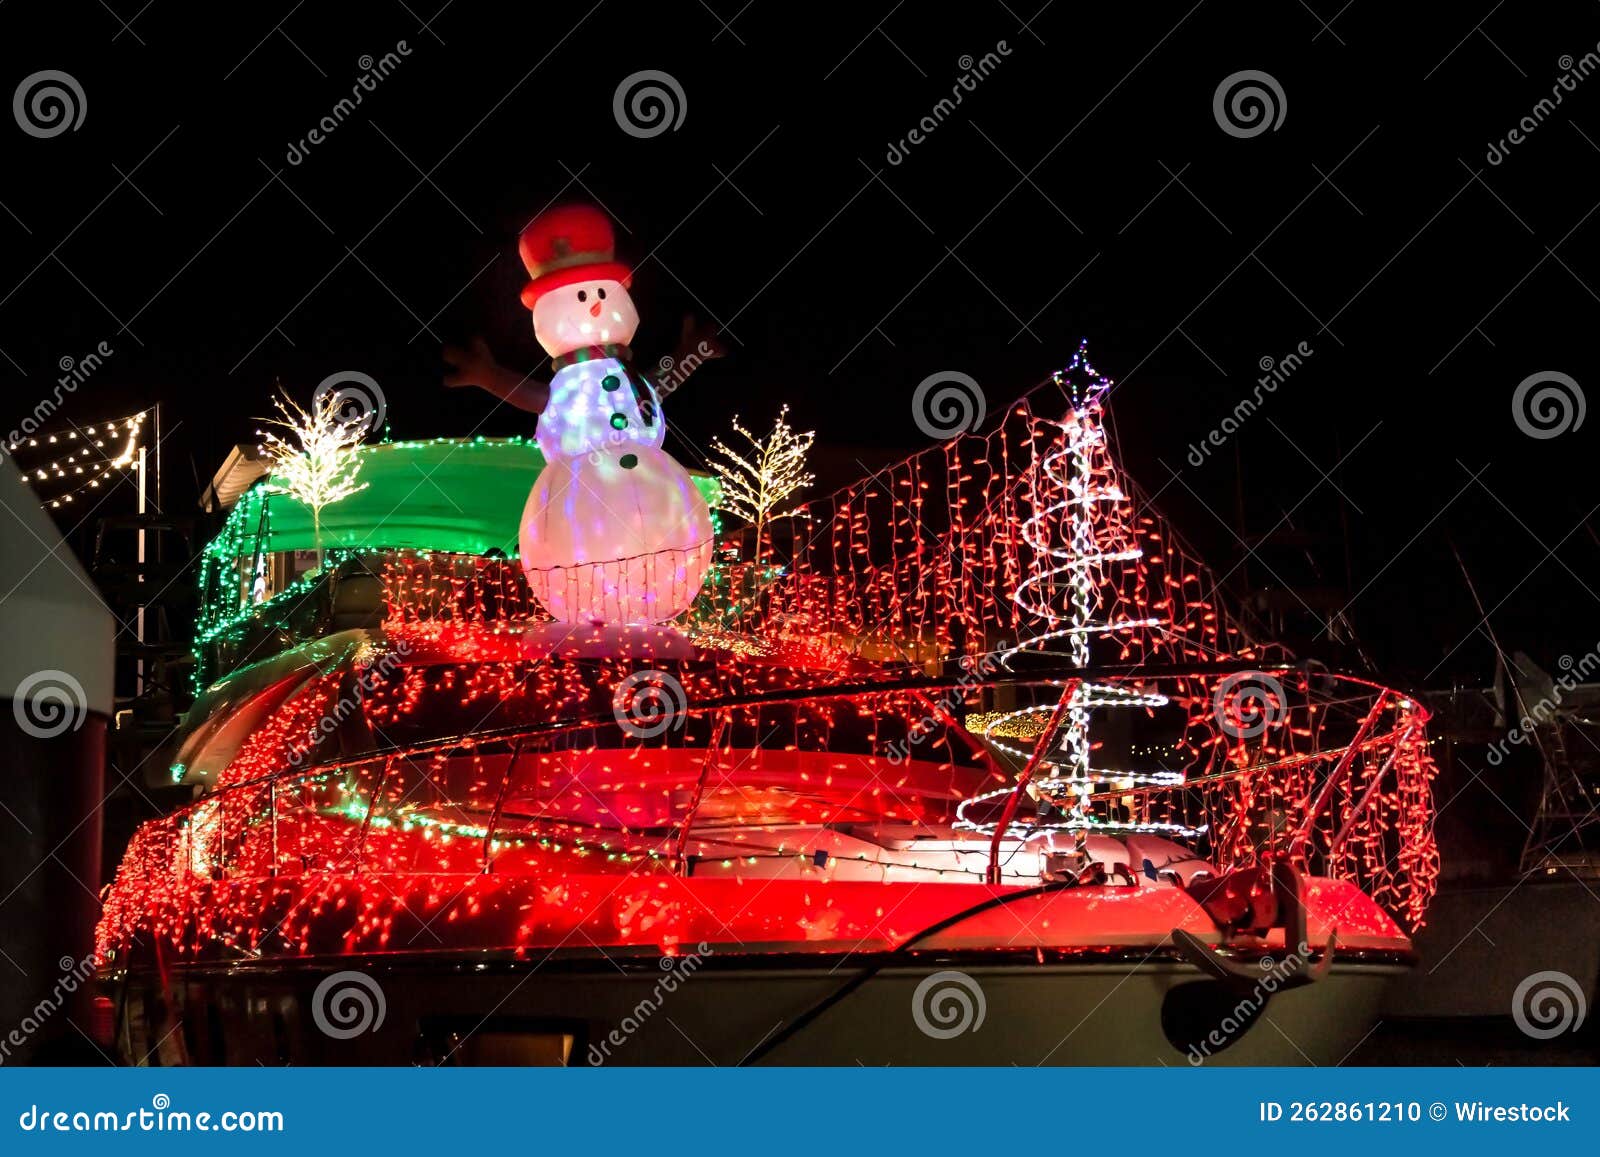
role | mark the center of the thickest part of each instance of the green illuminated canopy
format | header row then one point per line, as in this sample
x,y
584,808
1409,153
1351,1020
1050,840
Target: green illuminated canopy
x,y
446,494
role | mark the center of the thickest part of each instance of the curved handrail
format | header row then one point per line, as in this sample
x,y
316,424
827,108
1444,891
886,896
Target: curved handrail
x,y
1369,822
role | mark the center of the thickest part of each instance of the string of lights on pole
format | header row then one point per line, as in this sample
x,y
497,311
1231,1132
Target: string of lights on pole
x,y
90,454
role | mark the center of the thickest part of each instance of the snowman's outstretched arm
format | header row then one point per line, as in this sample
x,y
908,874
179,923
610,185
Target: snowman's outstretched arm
x,y
697,344
475,366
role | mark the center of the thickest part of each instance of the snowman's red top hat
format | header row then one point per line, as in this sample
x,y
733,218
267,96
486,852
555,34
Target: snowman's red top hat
x,y
568,244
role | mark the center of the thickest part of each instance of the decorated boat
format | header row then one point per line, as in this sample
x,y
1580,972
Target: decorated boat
x,y
977,768
967,762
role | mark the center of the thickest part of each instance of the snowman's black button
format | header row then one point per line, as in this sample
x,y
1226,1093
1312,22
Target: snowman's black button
x,y
610,382
628,461
619,421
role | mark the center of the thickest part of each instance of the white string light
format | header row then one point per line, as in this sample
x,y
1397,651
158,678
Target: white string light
x,y
88,450
92,484
87,434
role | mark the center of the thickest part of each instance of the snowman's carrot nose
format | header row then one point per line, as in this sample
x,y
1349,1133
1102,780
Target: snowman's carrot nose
x,y
594,310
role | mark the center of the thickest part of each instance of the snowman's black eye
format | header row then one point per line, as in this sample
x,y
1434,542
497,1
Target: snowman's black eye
x,y
582,296
601,294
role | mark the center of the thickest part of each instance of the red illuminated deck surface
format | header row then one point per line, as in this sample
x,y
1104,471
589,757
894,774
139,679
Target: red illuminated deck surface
x,y
779,823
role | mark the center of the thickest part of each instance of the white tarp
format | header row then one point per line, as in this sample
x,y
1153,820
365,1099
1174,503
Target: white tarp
x,y
51,618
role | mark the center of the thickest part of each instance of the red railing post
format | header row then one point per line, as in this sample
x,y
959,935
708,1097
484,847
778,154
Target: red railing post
x,y
366,820
272,807
1046,739
679,863
499,804
1366,796
1334,776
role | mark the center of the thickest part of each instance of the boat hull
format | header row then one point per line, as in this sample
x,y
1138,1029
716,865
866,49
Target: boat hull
x,y
960,1009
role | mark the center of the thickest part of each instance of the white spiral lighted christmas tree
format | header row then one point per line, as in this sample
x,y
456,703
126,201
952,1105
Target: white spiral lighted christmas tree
x,y
1081,530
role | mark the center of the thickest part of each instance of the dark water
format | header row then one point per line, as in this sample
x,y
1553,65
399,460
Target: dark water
x,y
1472,1042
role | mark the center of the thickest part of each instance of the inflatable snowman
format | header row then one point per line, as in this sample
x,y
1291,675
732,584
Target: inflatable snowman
x,y
614,530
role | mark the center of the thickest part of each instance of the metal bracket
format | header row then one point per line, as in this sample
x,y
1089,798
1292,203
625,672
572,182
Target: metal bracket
x,y
1296,969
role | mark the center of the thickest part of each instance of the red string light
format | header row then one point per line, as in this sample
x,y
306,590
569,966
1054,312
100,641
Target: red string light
x,y
480,788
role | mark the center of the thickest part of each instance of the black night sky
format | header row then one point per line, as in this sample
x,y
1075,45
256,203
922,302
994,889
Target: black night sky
x,y
1083,188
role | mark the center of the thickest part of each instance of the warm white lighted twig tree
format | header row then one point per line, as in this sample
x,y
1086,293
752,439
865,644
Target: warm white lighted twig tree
x,y
758,484
317,462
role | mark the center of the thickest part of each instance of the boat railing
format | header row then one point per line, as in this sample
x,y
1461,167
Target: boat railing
x,y
1336,782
